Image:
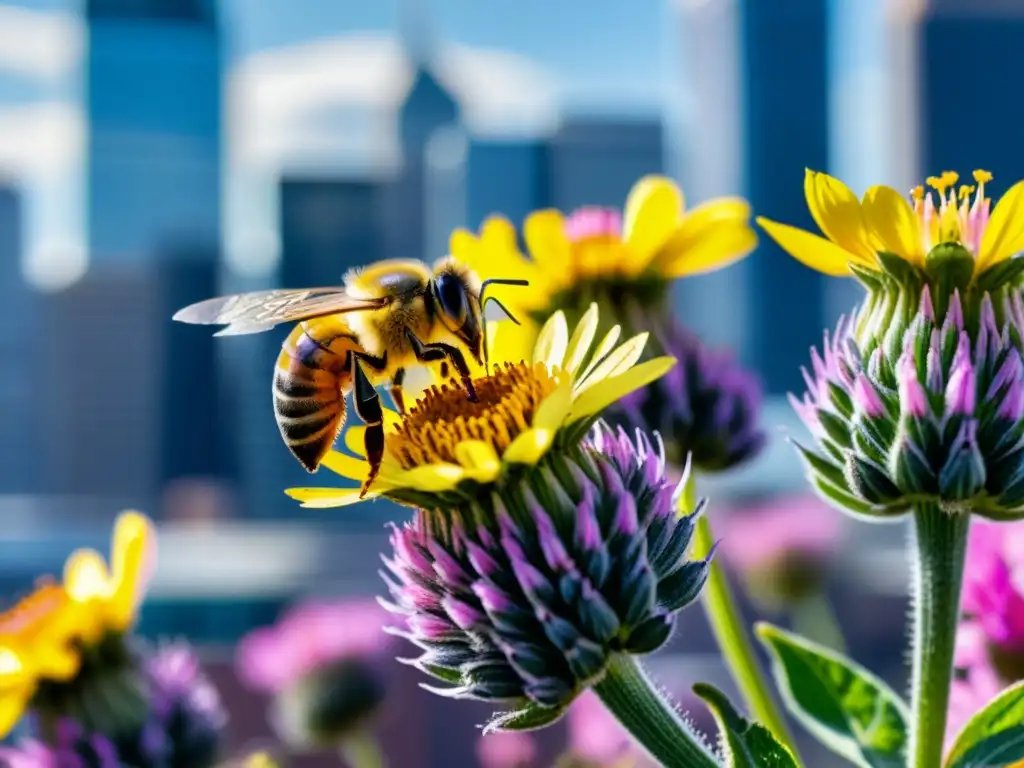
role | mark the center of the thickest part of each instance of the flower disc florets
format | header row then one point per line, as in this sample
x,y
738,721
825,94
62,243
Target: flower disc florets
x,y
523,598
933,414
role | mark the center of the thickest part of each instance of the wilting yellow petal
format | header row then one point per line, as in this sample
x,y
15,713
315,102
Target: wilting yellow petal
x,y
582,338
893,224
544,232
433,478
553,339
529,446
479,460
608,391
837,211
619,361
1004,235
13,704
719,246
325,498
653,210
132,561
606,345
810,250
554,408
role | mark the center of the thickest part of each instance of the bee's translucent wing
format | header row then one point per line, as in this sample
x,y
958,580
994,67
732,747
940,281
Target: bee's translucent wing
x,y
261,310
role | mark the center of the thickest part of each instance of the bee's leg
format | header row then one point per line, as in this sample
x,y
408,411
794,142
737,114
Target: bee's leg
x,y
396,390
429,353
367,404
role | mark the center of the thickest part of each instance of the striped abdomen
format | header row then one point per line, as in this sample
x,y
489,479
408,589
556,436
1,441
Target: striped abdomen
x,y
312,374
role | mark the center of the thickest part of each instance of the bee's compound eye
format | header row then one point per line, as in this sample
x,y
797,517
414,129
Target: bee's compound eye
x,y
452,295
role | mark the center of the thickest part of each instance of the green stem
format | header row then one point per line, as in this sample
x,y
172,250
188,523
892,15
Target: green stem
x,y
360,750
941,544
734,642
630,695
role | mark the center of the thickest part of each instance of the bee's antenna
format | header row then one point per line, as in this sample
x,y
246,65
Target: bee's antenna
x,y
483,314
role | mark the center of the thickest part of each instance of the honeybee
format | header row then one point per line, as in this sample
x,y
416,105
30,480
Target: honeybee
x,y
384,319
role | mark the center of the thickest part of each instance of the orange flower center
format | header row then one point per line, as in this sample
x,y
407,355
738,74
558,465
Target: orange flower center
x,y
444,416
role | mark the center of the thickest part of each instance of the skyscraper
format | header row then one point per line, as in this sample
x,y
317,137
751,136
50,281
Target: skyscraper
x,y
153,104
511,177
595,160
19,440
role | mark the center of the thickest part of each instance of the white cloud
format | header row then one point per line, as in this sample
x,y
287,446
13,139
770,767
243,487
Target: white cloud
x,y
39,44
338,98
41,139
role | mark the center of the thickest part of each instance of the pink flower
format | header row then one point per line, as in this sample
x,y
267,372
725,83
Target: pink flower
x,y
309,637
594,733
506,750
977,684
993,591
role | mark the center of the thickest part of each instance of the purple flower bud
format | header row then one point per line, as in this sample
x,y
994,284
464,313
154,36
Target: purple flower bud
x,y
912,395
430,626
927,309
462,613
960,393
551,545
1011,407
493,599
867,398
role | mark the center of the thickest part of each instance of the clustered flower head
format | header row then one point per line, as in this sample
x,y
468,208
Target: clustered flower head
x,y
523,598
447,449
624,261
782,548
707,407
327,667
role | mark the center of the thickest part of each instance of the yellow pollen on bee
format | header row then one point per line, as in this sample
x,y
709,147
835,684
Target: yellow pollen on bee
x,y
444,416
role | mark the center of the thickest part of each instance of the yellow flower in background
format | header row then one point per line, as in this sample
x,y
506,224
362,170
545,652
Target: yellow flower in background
x,y
883,220
523,410
655,240
43,638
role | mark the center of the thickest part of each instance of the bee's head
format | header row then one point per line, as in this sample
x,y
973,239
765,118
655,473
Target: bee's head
x,y
457,297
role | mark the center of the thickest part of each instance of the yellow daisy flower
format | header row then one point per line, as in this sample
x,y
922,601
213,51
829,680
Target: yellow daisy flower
x,y
856,230
573,259
523,410
44,637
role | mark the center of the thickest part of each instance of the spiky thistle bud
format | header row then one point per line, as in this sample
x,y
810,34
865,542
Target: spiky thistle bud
x,y
707,407
932,413
524,598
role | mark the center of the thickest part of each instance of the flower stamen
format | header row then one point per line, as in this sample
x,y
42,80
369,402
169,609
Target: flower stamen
x,y
444,417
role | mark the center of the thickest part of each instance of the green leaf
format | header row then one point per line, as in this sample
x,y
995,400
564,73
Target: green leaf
x,y
746,744
528,718
995,736
847,708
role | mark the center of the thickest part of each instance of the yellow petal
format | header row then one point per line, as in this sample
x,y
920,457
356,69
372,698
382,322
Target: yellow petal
x,y
86,577
434,478
479,460
513,343
810,250
837,212
553,339
608,391
1004,235
554,408
718,247
57,660
133,559
582,338
653,210
619,361
12,707
354,436
464,246
498,234
529,446
348,466
325,498
544,232
706,220
893,224
606,346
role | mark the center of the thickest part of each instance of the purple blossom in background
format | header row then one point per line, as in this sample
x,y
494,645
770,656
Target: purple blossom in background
x,y
327,666
707,406
782,547
595,736
510,749
72,749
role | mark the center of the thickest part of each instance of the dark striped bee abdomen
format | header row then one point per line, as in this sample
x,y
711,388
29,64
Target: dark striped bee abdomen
x,y
312,375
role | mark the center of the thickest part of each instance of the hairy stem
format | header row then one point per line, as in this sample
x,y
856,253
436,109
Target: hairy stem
x,y
630,695
940,545
735,643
